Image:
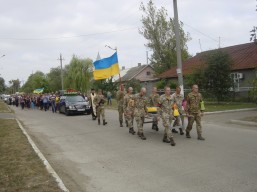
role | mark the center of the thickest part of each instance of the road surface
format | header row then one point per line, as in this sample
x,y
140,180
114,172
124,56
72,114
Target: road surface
x,y
93,158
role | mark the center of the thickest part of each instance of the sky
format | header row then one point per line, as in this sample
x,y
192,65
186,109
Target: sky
x,y
33,33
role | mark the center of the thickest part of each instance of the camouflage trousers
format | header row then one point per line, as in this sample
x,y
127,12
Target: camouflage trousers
x,y
167,120
100,112
120,110
197,118
177,121
129,117
140,122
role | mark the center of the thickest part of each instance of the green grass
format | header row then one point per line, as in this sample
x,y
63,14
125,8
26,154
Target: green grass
x,y
210,107
20,168
4,107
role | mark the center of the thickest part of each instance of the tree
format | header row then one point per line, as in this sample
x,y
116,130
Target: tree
x,y
135,84
14,85
2,85
35,81
214,75
105,85
78,74
159,32
253,91
54,79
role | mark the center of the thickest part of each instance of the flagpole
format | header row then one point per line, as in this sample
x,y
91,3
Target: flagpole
x,y
115,49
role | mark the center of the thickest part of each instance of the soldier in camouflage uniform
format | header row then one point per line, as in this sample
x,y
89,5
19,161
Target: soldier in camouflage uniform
x,y
140,111
178,98
128,108
193,112
165,103
153,102
99,101
120,100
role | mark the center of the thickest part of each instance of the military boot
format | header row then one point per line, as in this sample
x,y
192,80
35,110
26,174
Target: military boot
x,y
126,123
142,136
200,137
188,135
172,142
181,132
98,121
131,130
174,131
104,122
165,139
121,124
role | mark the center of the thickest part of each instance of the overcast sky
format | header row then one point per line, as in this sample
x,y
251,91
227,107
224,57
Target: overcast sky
x,y
34,32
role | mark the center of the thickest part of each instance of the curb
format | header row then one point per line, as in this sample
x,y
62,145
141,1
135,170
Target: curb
x,y
229,111
248,123
42,157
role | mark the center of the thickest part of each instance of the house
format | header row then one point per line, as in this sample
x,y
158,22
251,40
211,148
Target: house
x,y
144,73
244,58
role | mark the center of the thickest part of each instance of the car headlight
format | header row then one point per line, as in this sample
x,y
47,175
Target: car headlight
x,y
71,107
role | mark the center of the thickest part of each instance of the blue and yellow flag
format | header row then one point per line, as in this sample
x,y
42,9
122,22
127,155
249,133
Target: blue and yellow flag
x,y
107,67
38,91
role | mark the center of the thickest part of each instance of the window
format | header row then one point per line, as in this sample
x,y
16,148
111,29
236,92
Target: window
x,y
148,73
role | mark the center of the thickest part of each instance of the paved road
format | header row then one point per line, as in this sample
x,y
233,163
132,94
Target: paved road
x,y
95,158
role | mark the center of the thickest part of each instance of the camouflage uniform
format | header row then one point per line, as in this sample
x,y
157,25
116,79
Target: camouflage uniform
x,y
99,101
120,100
193,110
166,103
178,98
154,101
140,111
128,108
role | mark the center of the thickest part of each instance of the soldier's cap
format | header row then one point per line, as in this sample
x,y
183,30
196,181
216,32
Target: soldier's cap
x,y
92,89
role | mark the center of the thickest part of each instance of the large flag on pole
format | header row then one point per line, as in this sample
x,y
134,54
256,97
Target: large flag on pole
x,y
107,67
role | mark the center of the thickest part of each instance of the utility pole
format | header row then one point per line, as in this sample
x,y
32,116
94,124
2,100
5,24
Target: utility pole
x,y
178,48
61,69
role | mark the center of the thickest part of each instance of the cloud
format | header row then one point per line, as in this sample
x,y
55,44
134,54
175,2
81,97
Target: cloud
x,y
41,30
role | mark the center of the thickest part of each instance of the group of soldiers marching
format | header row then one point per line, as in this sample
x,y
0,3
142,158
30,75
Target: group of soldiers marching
x,y
168,106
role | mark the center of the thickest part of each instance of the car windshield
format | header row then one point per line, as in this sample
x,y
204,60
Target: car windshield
x,y
76,98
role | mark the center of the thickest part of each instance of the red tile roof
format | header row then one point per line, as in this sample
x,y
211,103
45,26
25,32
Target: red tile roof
x,y
243,56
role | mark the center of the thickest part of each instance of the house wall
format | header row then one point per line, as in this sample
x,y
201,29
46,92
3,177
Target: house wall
x,y
142,76
248,76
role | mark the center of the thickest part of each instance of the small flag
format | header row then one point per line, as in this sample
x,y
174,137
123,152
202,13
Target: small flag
x,y
107,67
38,91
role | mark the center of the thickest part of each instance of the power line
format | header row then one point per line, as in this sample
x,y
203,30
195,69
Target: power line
x,y
64,37
208,36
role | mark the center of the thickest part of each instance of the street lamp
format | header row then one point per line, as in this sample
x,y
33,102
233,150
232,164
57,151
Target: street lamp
x,y
115,49
2,56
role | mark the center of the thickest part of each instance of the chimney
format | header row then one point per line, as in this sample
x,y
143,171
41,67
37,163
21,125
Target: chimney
x,y
123,68
139,64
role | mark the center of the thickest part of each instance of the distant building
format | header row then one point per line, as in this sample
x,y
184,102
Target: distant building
x,y
144,73
244,58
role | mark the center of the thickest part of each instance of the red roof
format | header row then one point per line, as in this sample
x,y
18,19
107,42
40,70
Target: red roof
x,y
243,56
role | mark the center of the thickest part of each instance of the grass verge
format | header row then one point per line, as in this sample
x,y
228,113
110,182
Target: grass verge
x,y
210,107
4,108
20,168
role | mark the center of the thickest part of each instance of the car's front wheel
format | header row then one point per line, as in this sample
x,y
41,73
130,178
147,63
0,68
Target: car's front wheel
x,y
67,113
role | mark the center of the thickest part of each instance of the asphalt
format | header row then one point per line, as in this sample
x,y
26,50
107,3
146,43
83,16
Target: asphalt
x,y
96,158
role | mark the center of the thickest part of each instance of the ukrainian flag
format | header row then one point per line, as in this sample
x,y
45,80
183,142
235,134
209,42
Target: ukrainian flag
x,y
107,67
38,91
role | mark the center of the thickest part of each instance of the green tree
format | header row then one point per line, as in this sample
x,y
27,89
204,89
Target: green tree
x,y
14,86
36,80
217,74
253,91
135,84
54,79
78,74
158,30
2,85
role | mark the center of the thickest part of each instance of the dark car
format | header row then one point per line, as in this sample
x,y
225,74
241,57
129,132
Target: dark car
x,y
74,104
